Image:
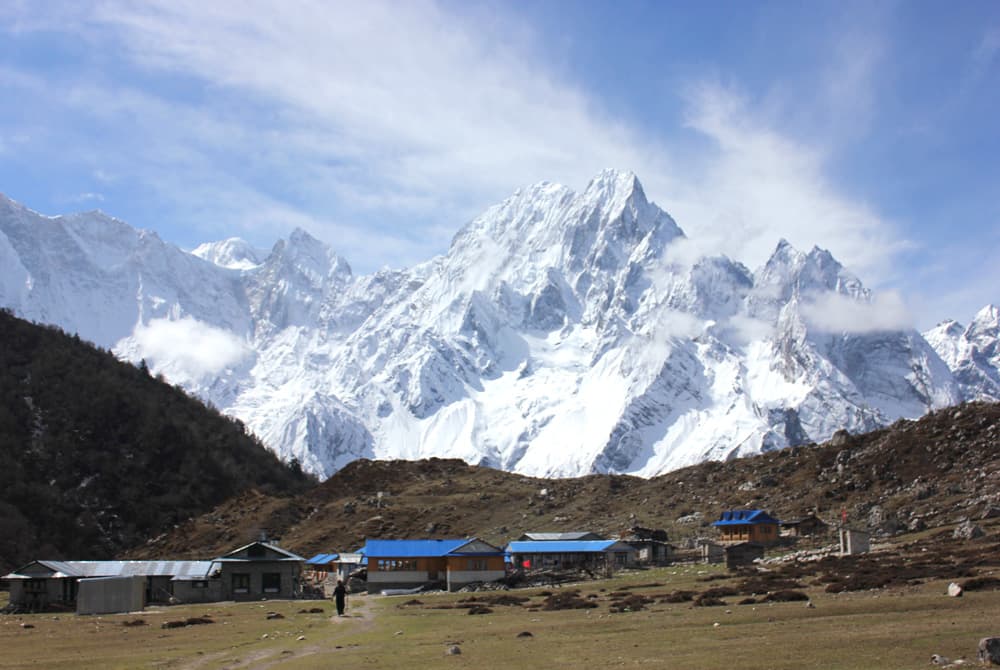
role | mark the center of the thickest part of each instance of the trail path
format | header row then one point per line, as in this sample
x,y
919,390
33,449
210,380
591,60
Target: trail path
x,y
359,618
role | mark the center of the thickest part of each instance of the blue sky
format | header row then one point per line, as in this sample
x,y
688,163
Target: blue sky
x,y
869,129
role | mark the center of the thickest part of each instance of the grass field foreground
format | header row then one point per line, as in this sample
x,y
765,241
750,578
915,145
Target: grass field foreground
x,y
885,628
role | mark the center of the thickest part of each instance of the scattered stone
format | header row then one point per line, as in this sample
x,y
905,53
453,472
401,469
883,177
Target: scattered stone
x,y
937,659
989,650
134,622
398,632
453,650
27,625
264,636
300,638
991,512
954,590
275,615
810,605
967,531
525,633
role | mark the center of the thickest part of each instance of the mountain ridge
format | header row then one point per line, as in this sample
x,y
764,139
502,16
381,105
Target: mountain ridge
x,y
562,333
908,477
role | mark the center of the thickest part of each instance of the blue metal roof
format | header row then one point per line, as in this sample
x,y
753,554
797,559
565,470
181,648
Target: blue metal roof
x,y
744,517
411,548
322,559
557,547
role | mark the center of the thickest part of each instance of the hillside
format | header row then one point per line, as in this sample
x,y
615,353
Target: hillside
x,y
913,475
96,455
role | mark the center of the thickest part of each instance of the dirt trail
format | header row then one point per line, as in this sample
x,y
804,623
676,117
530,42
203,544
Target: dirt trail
x,y
359,618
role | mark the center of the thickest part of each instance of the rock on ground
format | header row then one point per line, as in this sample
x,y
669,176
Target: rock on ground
x,y
989,650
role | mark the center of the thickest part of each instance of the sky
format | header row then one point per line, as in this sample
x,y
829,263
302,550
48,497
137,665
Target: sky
x,y
869,129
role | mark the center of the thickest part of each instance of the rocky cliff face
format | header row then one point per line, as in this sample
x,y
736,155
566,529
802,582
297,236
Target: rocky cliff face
x,y
559,335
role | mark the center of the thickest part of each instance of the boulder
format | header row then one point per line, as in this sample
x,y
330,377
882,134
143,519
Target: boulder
x,y
954,590
989,650
967,531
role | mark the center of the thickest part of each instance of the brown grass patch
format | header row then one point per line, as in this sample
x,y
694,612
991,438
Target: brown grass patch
x,y
981,584
568,600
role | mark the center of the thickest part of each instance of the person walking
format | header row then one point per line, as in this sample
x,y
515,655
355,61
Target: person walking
x,y
340,597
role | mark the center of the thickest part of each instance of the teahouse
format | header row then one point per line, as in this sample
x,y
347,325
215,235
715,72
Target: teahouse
x,y
590,554
410,564
747,525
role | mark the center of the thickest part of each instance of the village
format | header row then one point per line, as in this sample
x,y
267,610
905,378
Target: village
x,y
265,570
551,598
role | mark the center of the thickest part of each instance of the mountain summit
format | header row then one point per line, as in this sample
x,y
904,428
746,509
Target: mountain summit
x,y
559,335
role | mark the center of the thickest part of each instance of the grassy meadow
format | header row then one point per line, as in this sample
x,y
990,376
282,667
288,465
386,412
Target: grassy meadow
x,y
886,628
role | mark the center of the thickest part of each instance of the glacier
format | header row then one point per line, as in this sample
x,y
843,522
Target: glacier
x,y
562,333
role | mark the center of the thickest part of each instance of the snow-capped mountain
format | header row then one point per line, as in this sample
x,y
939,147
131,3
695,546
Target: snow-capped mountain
x,y
562,333
972,353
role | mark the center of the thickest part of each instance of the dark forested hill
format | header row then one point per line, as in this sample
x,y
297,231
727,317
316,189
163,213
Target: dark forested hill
x,y
97,456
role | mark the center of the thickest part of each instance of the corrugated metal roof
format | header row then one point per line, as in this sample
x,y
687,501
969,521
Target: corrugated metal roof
x,y
120,569
323,559
555,537
567,547
411,548
743,517
289,556
356,557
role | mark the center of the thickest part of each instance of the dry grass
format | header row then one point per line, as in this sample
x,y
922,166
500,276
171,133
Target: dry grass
x,y
895,628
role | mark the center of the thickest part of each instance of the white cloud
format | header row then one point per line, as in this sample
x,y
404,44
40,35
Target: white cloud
x,y
836,313
761,185
408,99
382,127
741,330
187,350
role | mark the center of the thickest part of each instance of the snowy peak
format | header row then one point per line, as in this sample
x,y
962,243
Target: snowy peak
x,y
558,336
972,353
233,253
791,276
798,273
310,257
985,326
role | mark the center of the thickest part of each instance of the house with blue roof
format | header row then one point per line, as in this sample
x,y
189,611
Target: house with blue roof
x,y
602,555
747,525
410,564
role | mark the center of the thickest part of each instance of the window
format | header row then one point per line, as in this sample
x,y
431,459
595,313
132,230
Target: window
x,y
199,584
396,565
477,564
271,582
241,582
34,586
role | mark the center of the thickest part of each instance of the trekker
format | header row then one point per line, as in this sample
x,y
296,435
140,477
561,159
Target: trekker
x,y
340,597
